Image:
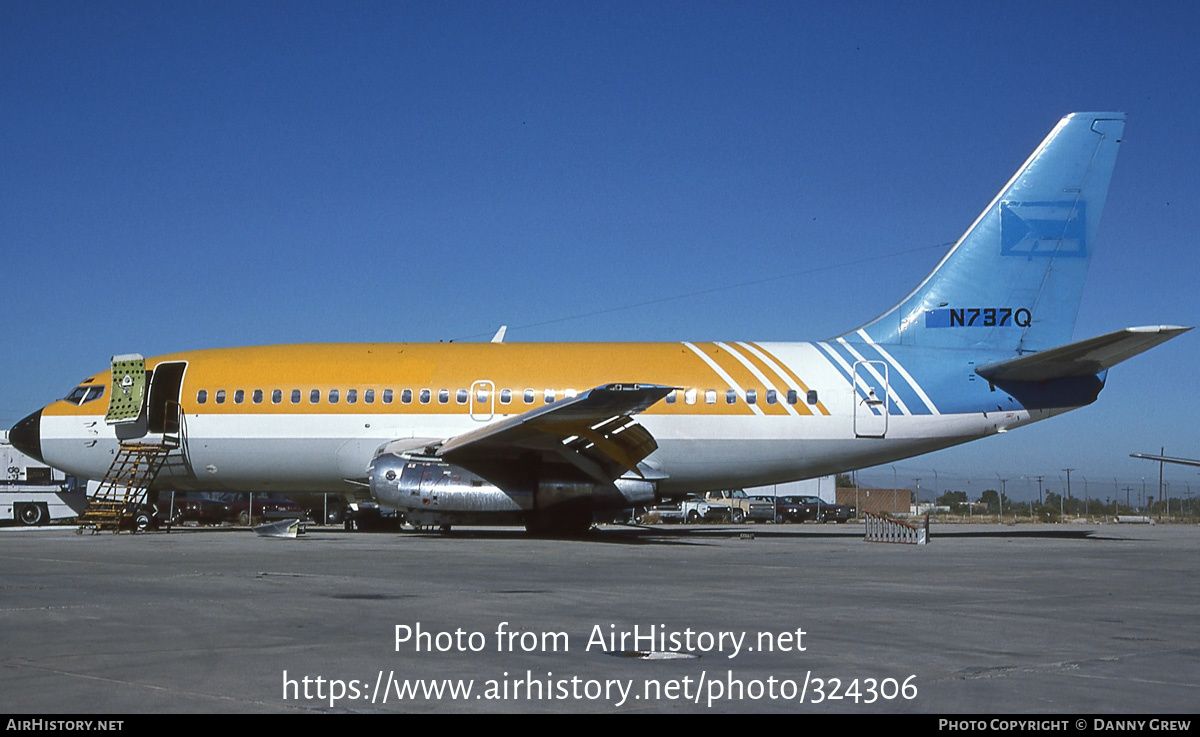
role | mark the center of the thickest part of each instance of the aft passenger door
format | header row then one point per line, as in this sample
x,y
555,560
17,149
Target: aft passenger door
x,y
870,399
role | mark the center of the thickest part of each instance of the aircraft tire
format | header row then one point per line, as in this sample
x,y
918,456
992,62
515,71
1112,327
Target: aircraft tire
x,y
32,514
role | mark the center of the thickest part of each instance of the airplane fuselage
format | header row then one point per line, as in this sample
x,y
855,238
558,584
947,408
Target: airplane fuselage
x,y
309,418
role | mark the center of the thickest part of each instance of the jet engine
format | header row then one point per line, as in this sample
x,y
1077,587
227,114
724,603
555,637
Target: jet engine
x,y
431,491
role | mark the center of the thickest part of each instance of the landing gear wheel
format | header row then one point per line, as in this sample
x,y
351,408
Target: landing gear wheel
x,y
32,514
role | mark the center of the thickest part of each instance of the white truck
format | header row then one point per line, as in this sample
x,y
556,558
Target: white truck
x,y
690,509
34,494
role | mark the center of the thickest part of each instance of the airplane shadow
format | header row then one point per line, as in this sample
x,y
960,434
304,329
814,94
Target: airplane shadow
x,y
708,534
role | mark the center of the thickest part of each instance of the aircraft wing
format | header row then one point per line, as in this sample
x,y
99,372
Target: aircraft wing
x,y
591,437
1166,459
1081,358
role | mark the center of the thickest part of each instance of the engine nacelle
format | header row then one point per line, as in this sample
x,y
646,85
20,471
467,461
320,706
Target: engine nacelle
x,y
432,485
435,491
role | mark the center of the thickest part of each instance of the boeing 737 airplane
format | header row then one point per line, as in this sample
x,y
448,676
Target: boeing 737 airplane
x,y
547,434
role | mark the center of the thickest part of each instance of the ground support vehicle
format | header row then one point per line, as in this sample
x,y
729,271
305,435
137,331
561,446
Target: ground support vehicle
x,y
39,504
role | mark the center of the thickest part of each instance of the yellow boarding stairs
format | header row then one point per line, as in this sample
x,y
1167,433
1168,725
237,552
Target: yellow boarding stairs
x,y
122,493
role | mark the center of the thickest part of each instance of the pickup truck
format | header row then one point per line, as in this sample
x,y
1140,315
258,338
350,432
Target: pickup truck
x,y
737,507
690,509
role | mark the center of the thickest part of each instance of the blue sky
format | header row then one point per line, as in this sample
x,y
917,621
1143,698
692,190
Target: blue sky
x,y
186,175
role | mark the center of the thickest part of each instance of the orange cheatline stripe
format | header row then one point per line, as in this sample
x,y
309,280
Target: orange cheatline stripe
x,y
787,369
779,382
736,371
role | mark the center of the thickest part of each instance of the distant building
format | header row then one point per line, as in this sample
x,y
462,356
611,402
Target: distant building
x,y
821,487
879,501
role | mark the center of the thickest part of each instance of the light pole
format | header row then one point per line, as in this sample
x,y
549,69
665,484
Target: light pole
x,y
1003,486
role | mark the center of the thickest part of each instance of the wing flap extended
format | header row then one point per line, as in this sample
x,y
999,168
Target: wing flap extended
x,y
1081,358
592,436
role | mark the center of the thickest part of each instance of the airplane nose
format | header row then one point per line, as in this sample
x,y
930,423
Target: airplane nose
x,y
26,436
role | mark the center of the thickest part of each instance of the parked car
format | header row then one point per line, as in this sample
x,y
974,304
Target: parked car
x,y
196,507
265,507
818,510
789,509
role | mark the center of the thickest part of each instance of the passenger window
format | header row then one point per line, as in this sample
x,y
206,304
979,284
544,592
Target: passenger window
x,y
201,396
314,396
792,397
671,397
238,396
505,396
443,396
730,396
295,396
771,396
751,396
689,396
528,396
425,396
481,396
710,396
812,396
351,396
369,396
387,396
548,396
406,396
333,396
257,396
570,394
220,396
460,396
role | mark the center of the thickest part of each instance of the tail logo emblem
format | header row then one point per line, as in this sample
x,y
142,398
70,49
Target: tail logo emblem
x,y
1043,229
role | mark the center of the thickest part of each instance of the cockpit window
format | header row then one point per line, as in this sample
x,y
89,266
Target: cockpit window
x,y
85,393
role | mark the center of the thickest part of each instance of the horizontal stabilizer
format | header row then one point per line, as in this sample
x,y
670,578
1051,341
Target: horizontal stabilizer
x,y
1082,358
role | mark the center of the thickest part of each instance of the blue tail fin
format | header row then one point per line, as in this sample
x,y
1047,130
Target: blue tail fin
x,y
1014,280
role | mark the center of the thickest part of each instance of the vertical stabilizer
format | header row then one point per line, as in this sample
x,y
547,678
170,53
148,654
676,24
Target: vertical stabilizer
x,y
1013,281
